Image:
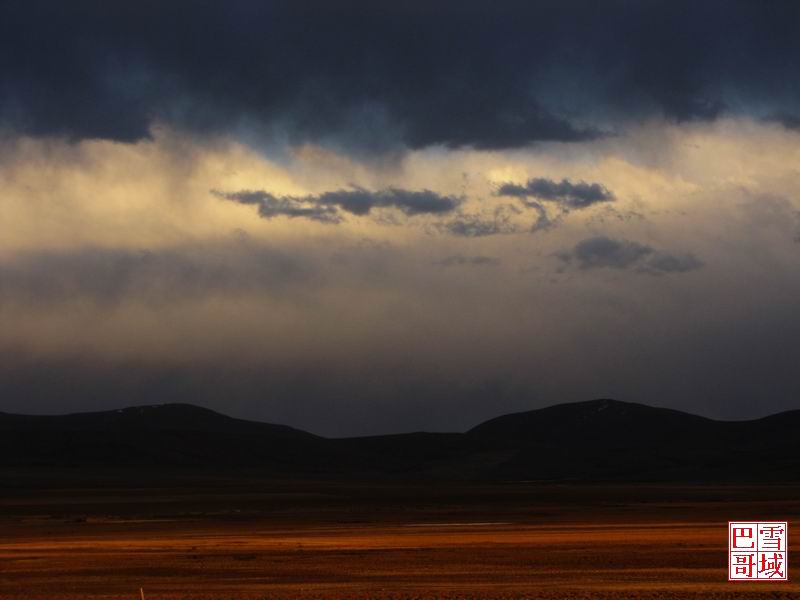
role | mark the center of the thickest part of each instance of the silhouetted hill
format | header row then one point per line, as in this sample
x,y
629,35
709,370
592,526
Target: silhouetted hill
x,y
159,435
609,439
157,417
595,420
598,440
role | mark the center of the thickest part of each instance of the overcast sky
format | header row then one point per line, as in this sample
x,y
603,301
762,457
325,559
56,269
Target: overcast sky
x,y
376,217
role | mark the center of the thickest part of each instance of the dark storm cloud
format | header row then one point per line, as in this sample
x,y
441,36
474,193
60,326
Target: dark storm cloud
x,y
604,252
372,77
564,192
357,201
113,275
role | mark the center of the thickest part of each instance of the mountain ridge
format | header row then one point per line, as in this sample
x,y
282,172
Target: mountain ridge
x,y
595,440
202,409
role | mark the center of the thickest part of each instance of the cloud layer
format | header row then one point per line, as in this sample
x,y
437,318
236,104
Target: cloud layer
x,y
374,79
124,279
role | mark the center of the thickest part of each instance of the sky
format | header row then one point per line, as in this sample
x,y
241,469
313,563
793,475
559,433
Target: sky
x,y
372,217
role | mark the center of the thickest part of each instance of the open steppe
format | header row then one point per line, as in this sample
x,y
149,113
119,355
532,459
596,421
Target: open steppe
x,y
255,539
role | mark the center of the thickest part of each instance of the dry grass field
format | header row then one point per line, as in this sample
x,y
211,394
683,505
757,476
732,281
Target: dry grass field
x,y
392,541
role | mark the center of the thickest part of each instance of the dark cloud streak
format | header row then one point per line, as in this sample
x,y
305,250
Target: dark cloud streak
x,y
604,252
565,193
270,206
357,201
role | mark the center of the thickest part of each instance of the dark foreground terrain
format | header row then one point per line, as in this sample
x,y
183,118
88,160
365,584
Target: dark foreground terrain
x,y
248,539
598,499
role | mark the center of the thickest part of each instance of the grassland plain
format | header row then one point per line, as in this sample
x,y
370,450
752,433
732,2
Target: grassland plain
x,y
251,540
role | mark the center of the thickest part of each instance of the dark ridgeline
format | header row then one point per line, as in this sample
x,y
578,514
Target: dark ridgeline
x,y
599,440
